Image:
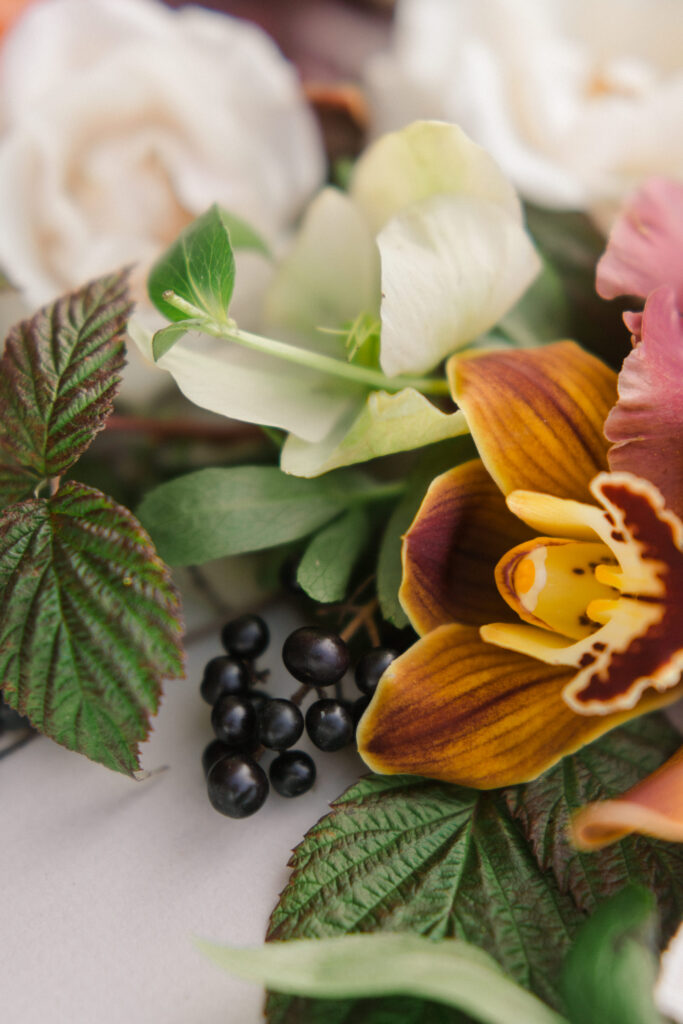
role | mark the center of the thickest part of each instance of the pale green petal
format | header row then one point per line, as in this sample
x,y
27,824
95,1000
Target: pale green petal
x,y
451,267
424,159
385,424
246,385
330,275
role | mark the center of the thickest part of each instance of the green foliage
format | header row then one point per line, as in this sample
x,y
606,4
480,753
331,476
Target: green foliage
x,y
58,377
217,512
493,868
541,315
89,619
327,563
610,972
451,972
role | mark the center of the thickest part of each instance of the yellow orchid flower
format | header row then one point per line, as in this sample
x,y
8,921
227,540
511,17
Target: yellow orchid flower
x,y
547,592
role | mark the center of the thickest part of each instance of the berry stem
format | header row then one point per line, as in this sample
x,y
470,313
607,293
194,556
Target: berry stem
x,y
351,372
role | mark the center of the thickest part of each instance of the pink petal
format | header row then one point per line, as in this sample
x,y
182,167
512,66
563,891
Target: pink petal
x,y
645,247
646,424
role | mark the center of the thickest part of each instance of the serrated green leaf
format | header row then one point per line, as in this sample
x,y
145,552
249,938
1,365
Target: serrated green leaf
x,y
58,379
610,972
601,771
89,623
452,972
200,266
327,563
217,512
389,1010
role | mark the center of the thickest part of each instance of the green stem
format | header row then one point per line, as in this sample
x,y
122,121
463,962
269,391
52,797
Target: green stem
x,y
304,357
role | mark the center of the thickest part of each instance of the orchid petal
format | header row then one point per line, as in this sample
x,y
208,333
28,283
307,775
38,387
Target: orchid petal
x,y
451,267
456,709
426,158
233,381
383,425
537,415
646,425
645,247
331,273
450,550
654,807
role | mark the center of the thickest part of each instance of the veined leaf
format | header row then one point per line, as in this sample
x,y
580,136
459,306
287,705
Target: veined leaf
x,y
610,972
58,378
89,623
453,972
328,561
217,512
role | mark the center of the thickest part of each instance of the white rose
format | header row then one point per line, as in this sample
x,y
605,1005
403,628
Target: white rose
x,y
123,120
577,100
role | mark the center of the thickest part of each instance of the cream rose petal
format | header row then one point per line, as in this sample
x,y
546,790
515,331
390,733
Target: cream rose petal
x,y
451,267
422,160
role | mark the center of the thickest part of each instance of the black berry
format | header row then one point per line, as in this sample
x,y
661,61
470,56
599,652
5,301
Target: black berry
x,y
234,722
213,752
292,773
280,724
258,700
246,636
358,708
371,666
224,675
315,656
237,786
329,724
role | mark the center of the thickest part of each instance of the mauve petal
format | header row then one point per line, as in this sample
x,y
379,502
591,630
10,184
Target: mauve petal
x,y
645,247
646,424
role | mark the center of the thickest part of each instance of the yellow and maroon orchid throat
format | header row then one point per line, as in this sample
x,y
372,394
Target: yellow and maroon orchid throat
x,y
604,597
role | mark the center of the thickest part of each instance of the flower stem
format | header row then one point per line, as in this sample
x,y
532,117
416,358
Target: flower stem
x,y
363,375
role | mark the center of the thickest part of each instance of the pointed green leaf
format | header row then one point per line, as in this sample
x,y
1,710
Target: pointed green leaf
x,y
199,267
610,972
452,972
58,377
164,340
89,623
217,512
327,563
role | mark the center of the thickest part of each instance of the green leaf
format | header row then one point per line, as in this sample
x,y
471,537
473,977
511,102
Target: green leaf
x,y
328,561
164,340
89,623
199,267
405,854
217,512
243,235
601,771
58,378
435,460
451,972
542,314
610,972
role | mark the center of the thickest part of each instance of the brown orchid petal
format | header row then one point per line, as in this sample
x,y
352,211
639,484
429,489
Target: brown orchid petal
x,y
654,807
457,709
449,553
646,424
537,415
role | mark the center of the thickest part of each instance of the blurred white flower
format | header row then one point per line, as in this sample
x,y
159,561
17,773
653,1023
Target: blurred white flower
x,y
577,100
122,120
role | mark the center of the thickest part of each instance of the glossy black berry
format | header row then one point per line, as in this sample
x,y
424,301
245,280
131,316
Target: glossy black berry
x,y
371,666
329,724
246,636
358,708
280,724
224,675
234,722
315,656
213,752
258,700
292,773
237,786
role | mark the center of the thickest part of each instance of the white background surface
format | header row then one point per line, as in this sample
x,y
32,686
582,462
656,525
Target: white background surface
x,y
106,881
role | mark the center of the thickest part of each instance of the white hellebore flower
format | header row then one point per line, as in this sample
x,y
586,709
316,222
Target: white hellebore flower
x,y
577,100
430,240
122,120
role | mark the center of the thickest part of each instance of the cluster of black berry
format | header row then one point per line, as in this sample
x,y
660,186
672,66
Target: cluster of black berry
x,y
247,721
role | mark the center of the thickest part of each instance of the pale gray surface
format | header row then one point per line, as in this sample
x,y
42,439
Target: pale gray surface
x,y
105,880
